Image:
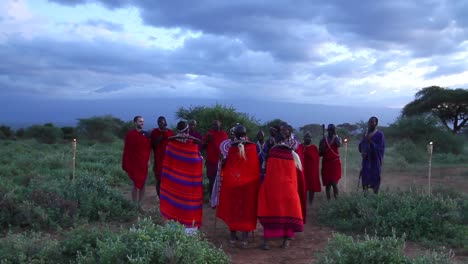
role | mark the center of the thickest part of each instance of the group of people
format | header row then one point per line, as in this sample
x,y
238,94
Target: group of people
x,y
265,181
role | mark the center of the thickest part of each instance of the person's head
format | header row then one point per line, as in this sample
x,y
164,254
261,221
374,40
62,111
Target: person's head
x,y
372,123
216,125
240,131
182,127
307,138
231,133
138,122
331,130
162,122
286,130
274,130
260,136
193,125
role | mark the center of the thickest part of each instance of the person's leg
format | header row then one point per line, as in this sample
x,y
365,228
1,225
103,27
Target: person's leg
x,y
141,195
233,237
327,191
245,236
210,185
158,187
134,194
335,190
311,197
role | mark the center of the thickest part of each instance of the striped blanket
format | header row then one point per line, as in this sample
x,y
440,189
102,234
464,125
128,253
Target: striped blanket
x,y
182,184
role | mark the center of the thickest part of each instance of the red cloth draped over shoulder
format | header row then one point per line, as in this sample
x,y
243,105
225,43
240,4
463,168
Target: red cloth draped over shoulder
x,y
240,182
182,184
311,164
137,150
159,149
331,164
212,149
279,204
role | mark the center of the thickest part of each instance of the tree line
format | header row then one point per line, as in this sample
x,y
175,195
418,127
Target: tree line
x,y
436,114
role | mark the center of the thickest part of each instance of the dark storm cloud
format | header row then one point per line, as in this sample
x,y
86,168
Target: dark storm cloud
x,y
422,27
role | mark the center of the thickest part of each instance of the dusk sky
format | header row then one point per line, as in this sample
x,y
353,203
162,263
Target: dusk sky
x,y
375,53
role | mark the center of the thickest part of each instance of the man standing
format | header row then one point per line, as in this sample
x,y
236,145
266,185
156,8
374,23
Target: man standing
x,y
331,164
137,150
372,149
159,139
212,142
311,159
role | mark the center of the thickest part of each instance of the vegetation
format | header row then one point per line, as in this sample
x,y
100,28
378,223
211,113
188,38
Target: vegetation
x,y
145,242
374,250
437,219
227,115
39,196
449,105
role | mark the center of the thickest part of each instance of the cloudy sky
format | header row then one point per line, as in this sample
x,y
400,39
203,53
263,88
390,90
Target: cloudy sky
x,y
333,52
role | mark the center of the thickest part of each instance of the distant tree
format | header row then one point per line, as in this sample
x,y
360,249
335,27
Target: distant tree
x,y
69,132
47,133
6,131
421,130
449,105
314,129
227,115
100,128
20,133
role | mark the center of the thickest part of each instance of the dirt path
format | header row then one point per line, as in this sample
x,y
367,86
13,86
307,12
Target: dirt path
x,y
315,236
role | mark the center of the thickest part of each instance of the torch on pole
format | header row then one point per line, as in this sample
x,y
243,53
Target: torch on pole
x,y
345,164
430,148
74,158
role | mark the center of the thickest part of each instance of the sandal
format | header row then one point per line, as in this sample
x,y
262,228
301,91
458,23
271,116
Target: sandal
x,y
265,246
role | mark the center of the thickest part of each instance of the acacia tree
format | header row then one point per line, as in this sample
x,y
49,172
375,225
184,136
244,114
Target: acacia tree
x,y
449,105
227,115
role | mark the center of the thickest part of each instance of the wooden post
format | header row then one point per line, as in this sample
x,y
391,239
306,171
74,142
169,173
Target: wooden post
x,y
74,158
345,164
429,151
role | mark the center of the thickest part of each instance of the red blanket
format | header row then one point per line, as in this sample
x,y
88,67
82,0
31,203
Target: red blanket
x,y
212,149
182,184
279,204
331,164
240,180
311,160
137,150
159,149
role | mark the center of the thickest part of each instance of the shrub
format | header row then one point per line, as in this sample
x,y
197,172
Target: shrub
x,y
5,132
150,243
145,242
373,250
420,216
47,133
100,128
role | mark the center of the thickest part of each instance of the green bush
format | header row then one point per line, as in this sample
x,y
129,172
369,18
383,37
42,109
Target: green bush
x,y
423,129
29,248
47,133
144,243
410,152
150,243
373,250
101,128
421,217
